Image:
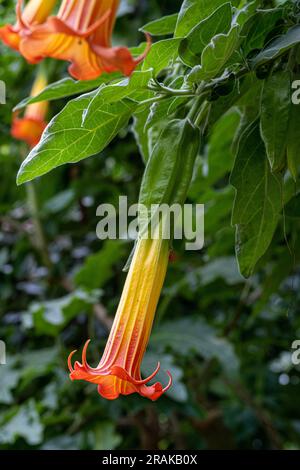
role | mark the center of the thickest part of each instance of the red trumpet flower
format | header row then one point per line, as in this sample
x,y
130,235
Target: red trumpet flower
x,y
80,33
119,369
35,12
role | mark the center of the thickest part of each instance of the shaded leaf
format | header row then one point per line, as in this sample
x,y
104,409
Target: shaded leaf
x,y
275,114
97,269
293,141
24,423
257,203
277,47
194,335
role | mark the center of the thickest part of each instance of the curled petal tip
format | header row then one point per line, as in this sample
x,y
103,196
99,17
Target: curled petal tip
x,y
97,24
145,381
170,382
70,360
146,51
20,19
84,351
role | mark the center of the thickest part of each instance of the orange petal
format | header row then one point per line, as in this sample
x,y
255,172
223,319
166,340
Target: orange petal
x,y
10,37
84,63
28,129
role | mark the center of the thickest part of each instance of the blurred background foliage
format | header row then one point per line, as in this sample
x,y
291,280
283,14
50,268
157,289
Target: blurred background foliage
x,y
226,340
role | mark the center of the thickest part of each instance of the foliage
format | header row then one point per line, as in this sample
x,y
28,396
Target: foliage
x,y
219,73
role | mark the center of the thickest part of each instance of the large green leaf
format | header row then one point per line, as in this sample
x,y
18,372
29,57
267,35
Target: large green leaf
x,y
277,47
194,11
275,114
257,203
219,154
68,140
194,335
170,167
257,28
162,26
84,127
162,53
215,56
192,46
128,87
67,87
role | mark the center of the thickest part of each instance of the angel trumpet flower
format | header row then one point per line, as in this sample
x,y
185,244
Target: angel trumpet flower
x,y
30,127
80,33
118,372
35,12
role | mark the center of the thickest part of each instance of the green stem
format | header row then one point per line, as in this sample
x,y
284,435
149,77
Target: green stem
x,y
159,87
202,114
39,235
40,238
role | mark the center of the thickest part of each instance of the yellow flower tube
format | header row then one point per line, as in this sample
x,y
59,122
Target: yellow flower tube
x,y
30,127
118,372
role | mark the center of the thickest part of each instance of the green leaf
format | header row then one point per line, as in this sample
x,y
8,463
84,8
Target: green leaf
x,y
258,27
275,113
244,13
50,317
257,203
98,267
67,87
277,47
9,379
293,141
292,209
106,437
162,53
125,88
194,11
68,140
161,27
194,335
215,56
85,126
221,268
60,202
191,47
220,156
140,133
25,422
169,170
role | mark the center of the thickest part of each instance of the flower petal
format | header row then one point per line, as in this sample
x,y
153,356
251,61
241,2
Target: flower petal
x,y
28,129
